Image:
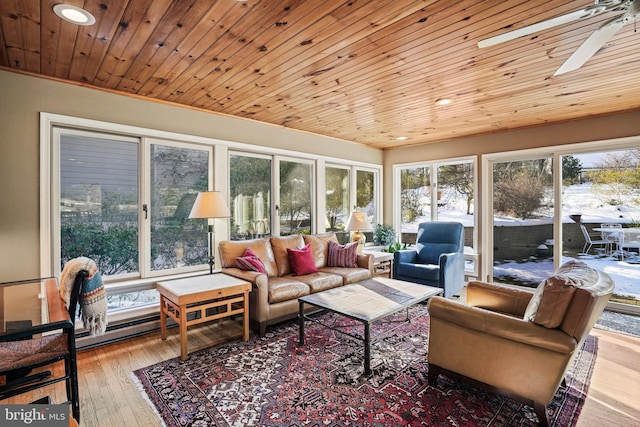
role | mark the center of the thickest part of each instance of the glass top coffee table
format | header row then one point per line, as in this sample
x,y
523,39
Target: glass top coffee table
x,y
366,302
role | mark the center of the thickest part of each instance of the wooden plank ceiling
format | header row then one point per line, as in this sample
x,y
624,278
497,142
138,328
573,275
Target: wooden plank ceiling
x,y
361,71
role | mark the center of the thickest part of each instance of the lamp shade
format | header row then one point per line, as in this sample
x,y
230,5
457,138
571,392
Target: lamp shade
x,y
358,221
210,204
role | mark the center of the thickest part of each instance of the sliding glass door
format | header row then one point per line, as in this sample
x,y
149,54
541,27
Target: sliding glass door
x,y
601,216
572,205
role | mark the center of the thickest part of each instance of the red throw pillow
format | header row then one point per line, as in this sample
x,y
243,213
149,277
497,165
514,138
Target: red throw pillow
x,y
249,261
342,256
301,260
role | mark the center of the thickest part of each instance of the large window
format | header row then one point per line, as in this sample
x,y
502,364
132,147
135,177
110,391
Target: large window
x,y
523,212
250,193
124,202
99,201
296,191
122,195
177,174
337,198
601,202
580,202
253,200
439,191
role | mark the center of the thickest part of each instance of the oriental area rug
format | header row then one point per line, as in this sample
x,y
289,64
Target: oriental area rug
x,y
271,381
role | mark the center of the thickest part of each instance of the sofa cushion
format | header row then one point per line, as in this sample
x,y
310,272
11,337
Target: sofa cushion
x,y
231,249
301,261
342,255
348,275
285,289
320,281
320,246
550,301
249,261
279,245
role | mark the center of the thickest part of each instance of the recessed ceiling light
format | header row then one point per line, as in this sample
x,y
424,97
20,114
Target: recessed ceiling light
x,y
444,101
401,138
74,14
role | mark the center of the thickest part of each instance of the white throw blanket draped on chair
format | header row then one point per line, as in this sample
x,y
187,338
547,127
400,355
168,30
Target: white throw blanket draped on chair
x,y
92,299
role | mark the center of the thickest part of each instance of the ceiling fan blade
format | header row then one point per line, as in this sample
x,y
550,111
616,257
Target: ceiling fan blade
x,y
595,41
549,23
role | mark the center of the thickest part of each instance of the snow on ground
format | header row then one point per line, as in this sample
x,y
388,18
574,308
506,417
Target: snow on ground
x,y
584,199
625,275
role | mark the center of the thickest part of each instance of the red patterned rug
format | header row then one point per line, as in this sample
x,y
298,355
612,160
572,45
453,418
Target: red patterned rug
x,y
270,381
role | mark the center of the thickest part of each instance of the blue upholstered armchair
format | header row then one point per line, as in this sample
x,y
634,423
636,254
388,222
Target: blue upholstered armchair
x,y
437,260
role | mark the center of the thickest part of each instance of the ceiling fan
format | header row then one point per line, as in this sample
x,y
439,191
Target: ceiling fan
x,y
630,9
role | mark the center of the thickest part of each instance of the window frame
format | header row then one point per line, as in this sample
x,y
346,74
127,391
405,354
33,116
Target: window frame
x,y
277,159
218,180
555,152
433,166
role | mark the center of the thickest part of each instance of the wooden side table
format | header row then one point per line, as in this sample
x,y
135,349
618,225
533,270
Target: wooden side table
x,y
382,263
209,297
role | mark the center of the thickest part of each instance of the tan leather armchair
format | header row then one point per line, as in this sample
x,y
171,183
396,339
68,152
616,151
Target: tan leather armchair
x,y
491,341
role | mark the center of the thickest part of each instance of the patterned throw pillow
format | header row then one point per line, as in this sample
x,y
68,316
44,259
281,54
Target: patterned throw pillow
x,y
249,261
301,260
343,256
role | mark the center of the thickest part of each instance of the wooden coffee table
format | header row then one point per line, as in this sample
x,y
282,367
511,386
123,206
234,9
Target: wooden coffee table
x,y
205,298
366,302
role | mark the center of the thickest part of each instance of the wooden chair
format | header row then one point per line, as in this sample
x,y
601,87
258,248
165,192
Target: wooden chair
x,y
33,349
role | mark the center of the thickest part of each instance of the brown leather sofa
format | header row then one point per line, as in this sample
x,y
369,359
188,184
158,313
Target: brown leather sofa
x,y
513,342
274,297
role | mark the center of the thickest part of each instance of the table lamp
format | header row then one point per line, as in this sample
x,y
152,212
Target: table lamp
x,y
210,204
358,222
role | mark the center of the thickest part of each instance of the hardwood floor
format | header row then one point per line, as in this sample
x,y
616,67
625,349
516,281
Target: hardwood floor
x,y
110,398
613,398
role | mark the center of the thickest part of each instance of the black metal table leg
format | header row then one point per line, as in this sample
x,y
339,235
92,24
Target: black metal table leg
x,y
367,349
301,323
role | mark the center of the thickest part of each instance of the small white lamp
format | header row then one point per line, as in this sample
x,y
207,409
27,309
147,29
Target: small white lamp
x,y
210,204
358,223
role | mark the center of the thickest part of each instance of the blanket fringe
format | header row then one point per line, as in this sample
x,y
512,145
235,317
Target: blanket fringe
x,y
95,325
